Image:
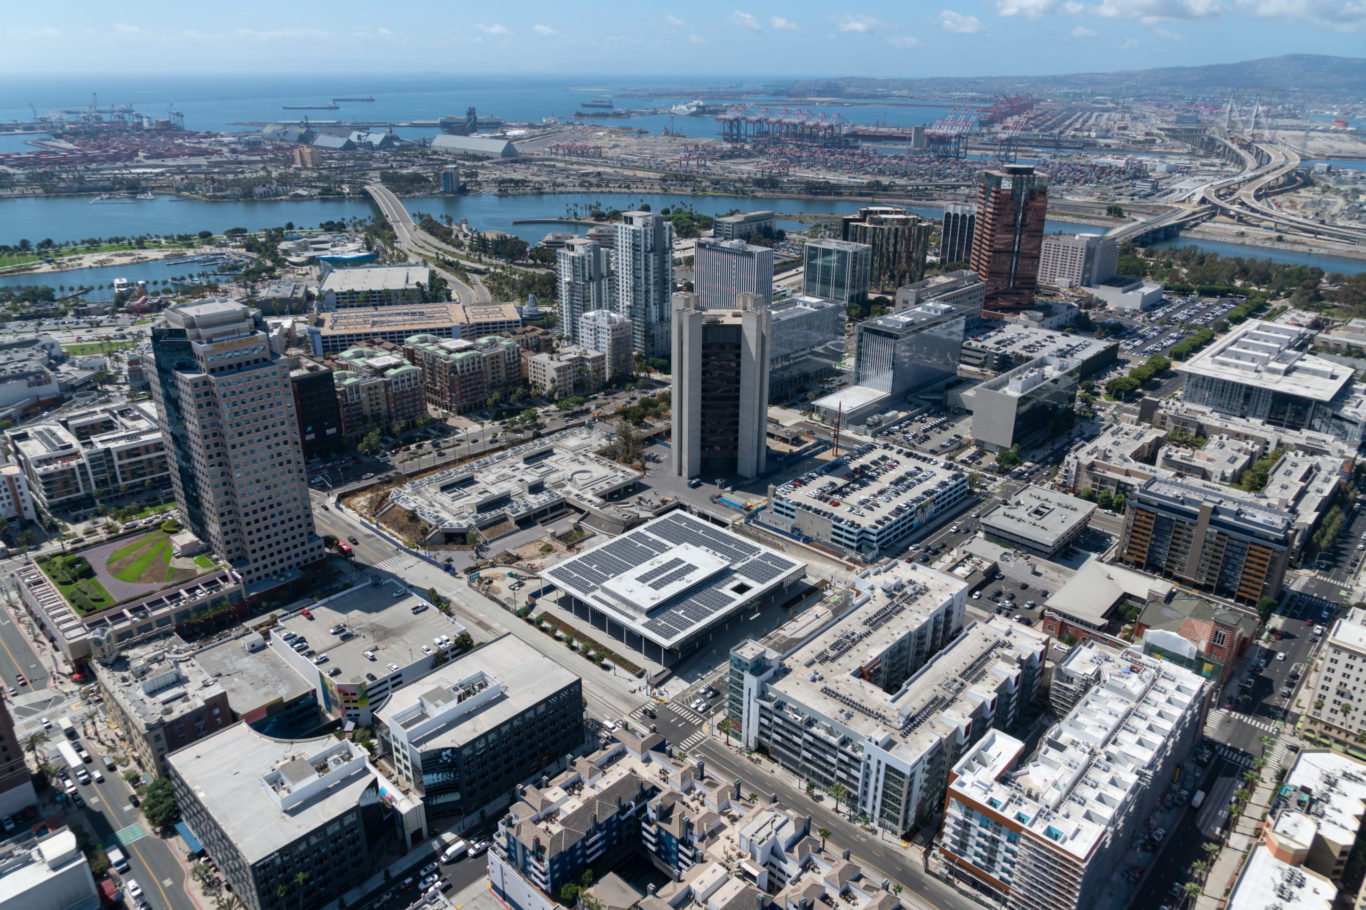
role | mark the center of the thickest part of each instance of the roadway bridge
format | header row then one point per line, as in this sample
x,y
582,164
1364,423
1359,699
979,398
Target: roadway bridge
x,y
412,239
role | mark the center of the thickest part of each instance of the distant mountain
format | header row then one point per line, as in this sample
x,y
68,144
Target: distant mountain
x,y
1303,75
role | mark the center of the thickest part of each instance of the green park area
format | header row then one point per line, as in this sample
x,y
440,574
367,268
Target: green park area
x,y
145,559
75,578
80,349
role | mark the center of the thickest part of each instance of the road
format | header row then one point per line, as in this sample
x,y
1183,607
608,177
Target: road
x,y
414,240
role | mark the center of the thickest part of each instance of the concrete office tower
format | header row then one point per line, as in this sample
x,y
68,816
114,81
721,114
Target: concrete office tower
x,y
226,411
583,274
720,388
836,270
610,333
724,269
643,279
955,241
900,242
1070,260
1011,206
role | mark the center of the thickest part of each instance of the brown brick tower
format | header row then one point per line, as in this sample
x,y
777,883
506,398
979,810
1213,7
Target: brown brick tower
x,y
1011,206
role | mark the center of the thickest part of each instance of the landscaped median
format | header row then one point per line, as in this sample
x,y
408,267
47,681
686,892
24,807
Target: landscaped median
x,y
591,648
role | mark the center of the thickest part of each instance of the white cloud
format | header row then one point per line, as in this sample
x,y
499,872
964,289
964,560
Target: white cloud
x,y
544,31
1168,35
782,24
696,39
959,23
1074,8
1030,9
495,29
1129,43
123,28
1152,10
903,41
1338,15
856,25
741,19
673,21
1082,31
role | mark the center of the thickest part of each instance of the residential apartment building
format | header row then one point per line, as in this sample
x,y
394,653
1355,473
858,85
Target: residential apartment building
x,y
806,341
1012,205
955,241
331,333
226,412
315,807
569,371
1263,371
725,269
161,699
899,243
374,285
583,276
1335,710
481,724
836,270
108,448
460,375
16,502
1210,539
643,279
375,390
720,388
610,333
315,405
1072,260
1045,830
886,700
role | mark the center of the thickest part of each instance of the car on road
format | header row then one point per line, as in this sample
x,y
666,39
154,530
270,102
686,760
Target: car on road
x,y
428,869
13,691
478,847
353,540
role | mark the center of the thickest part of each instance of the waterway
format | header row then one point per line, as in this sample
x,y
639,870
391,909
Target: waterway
x,y
74,218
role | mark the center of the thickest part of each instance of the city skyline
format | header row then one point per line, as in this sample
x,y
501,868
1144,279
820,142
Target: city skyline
x,y
875,38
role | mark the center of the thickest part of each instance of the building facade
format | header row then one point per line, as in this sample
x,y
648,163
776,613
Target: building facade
x,y
907,350
315,404
1341,688
16,502
1048,829
1072,260
569,371
805,345
955,241
16,781
459,375
836,270
1213,541
899,242
583,277
375,390
1012,205
481,724
610,333
962,290
741,226
226,411
377,285
643,279
1026,404
725,269
720,388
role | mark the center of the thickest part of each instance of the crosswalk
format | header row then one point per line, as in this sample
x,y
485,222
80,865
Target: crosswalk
x,y
125,836
686,713
1220,717
692,741
1236,756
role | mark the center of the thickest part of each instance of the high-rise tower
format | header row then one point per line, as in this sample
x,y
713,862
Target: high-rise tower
x,y
724,269
643,278
583,272
226,411
955,241
1012,204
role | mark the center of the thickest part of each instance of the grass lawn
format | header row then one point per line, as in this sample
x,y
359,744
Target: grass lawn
x,y
147,560
204,561
97,347
98,597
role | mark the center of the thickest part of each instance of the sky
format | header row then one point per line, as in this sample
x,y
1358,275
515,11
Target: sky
x,y
898,38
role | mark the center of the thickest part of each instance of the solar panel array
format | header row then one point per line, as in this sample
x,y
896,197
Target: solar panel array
x,y
584,575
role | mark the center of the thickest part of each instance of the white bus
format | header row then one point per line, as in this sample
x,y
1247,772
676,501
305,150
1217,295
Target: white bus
x,y
73,759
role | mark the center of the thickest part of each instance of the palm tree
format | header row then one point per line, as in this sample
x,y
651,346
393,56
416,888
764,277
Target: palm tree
x,y
1192,889
822,833
228,902
837,790
299,879
1252,777
1199,868
32,742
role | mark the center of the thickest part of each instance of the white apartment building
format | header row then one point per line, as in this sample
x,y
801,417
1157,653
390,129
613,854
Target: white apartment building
x,y
610,333
1046,831
15,500
583,274
571,370
643,279
1070,260
1339,705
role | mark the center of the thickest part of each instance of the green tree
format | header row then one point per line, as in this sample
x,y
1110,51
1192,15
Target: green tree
x,y
838,790
1264,608
1009,459
159,805
822,833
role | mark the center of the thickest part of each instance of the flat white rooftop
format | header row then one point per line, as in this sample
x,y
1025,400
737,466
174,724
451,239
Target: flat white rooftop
x,y
1040,515
375,278
1295,887
1271,355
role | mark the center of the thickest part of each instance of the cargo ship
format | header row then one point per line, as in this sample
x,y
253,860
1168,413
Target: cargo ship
x,y
604,104
311,107
358,98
